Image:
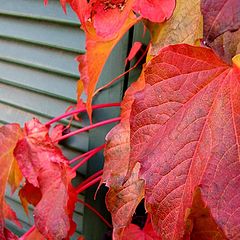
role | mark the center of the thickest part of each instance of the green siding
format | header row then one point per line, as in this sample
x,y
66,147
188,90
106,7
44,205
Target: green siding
x,y
38,75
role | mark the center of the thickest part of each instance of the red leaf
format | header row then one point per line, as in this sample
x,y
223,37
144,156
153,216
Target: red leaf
x,y
155,10
9,136
133,232
134,50
56,132
29,194
220,16
109,16
45,167
185,129
9,235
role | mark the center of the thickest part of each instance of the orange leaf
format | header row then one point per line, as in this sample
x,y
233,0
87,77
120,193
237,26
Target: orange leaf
x,y
98,51
185,130
9,135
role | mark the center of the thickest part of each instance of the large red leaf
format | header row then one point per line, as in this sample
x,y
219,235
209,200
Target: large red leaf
x,y
45,167
185,129
9,136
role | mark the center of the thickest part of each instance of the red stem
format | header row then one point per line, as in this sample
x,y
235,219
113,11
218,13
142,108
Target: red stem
x,y
95,150
104,105
96,212
26,234
90,155
87,184
121,75
96,174
99,124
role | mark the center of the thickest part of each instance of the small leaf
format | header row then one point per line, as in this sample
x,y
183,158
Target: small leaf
x,y
134,50
155,10
29,194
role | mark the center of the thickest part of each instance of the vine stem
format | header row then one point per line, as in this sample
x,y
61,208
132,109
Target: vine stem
x,y
96,212
90,155
121,75
27,233
96,174
95,150
67,114
99,124
86,184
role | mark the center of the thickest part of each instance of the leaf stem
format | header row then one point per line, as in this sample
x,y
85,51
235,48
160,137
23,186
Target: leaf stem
x,y
96,212
86,184
95,150
96,174
99,124
121,75
104,105
90,155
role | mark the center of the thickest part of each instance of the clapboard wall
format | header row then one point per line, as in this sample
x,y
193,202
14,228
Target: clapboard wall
x,y
38,76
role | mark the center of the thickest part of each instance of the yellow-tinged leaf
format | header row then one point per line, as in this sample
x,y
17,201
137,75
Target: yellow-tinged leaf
x,y
9,135
236,60
15,176
185,26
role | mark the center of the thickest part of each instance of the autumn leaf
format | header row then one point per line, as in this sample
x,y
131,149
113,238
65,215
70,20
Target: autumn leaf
x,y
9,135
134,50
185,26
98,51
221,27
123,201
133,232
227,45
15,176
44,166
29,194
117,148
122,197
155,10
224,16
185,129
